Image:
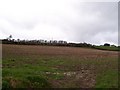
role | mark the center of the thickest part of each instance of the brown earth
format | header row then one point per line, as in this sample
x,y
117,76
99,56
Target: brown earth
x,y
55,51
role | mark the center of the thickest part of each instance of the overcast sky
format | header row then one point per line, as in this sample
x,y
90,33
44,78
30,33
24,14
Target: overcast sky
x,y
70,20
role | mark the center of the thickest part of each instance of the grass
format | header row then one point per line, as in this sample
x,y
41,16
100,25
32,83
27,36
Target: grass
x,y
33,76
57,71
107,79
109,48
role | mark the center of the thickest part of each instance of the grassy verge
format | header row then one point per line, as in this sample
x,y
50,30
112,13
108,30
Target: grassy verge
x,y
109,48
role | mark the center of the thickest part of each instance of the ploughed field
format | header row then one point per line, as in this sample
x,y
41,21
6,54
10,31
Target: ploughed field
x,y
34,66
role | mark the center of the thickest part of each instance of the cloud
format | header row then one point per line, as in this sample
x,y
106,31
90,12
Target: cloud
x,y
71,20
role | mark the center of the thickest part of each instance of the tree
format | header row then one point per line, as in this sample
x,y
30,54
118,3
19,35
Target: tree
x,y
10,37
106,44
113,46
18,40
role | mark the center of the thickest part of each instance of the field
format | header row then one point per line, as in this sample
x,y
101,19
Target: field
x,y
109,48
30,66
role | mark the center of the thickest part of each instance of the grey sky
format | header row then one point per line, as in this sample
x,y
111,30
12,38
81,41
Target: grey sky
x,y
70,20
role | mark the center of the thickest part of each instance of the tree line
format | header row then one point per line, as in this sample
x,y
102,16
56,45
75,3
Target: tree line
x,y
10,40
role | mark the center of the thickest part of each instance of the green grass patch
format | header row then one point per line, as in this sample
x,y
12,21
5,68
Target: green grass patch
x,y
110,48
108,79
